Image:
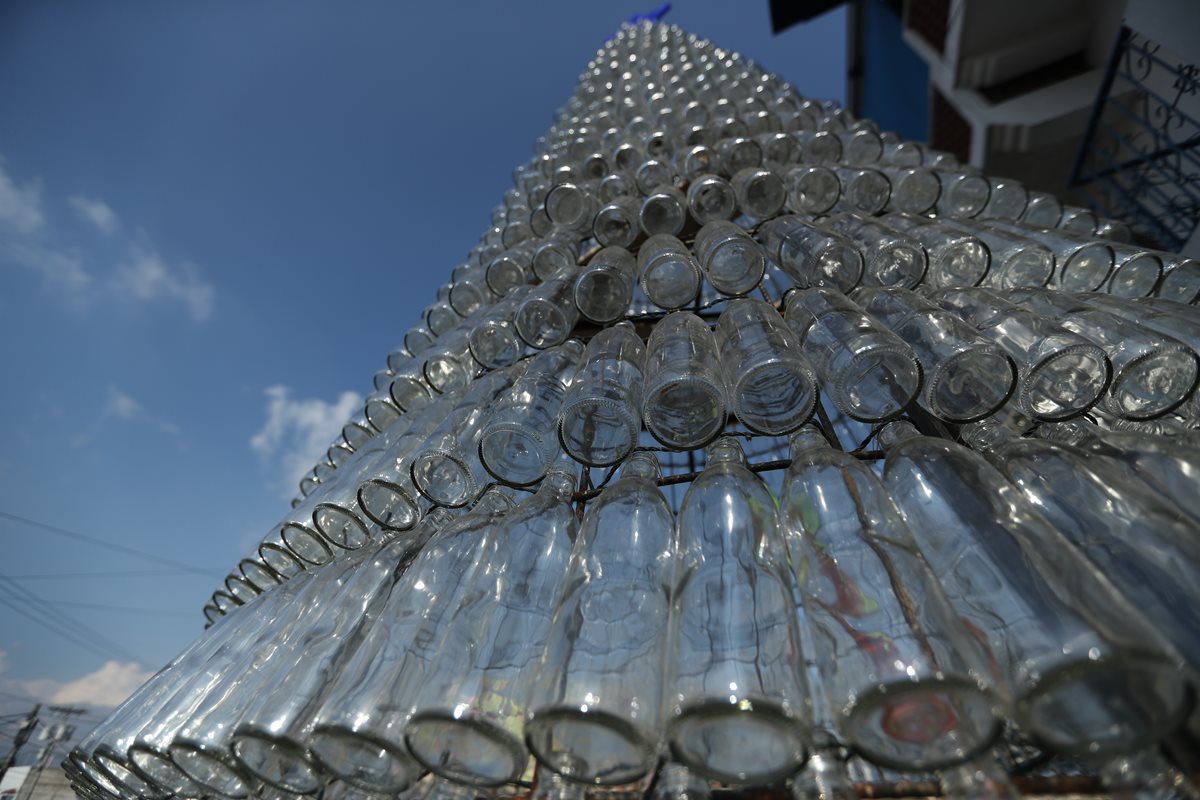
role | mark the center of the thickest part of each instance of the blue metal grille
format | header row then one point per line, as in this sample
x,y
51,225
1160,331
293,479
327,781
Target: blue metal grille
x,y
1138,160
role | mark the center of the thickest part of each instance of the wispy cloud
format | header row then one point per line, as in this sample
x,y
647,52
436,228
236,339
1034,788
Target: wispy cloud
x,y
297,433
120,405
141,275
20,206
147,277
96,212
107,687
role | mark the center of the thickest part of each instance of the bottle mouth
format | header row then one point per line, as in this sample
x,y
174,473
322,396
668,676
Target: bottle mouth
x,y
157,768
685,412
1066,384
340,526
747,743
277,761
388,505
1153,384
306,544
211,769
444,478
598,431
364,759
926,724
465,748
970,384
589,747
1099,707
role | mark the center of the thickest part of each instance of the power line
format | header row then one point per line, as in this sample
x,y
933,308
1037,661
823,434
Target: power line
x,y
154,612
58,621
102,543
68,636
117,573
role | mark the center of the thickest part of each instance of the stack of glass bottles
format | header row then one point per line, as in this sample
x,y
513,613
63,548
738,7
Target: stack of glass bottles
x,y
751,447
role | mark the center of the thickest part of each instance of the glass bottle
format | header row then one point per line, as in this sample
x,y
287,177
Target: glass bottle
x,y
1136,272
1160,463
1082,264
910,685
891,258
558,250
966,376
1081,220
812,189
604,286
270,737
956,258
358,732
731,260
601,413
772,388
1151,373
664,210
710,197
1180,280
1147,548
1088,674
736,698
915,190
510,269
864,189
760,192
470,291
1059,373
1042,208
468,716
518,442
1007,199
446,468
617,223
548,314
964,193
812,255
571,206
493,340
868,372
595,715
819,147
667,272
684,402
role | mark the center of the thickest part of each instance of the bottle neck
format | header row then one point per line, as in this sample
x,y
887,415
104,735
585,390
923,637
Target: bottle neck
x,y
896,432
643,465
807,438
725,450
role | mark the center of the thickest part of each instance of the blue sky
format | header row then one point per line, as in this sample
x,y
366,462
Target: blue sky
x,y
215,220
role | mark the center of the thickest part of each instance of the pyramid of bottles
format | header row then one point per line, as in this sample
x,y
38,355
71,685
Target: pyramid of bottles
x,y
747,437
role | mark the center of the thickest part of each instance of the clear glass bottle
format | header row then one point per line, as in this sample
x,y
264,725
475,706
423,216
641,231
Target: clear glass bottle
x,y
867,371
556,251
664,210
964,193
595,715
865,190
617,223
445,468
493,340
1082,264
1146,547
736,699
956,258
819,147
966,376
812,255
548,313
508,270
909,683
891,258
358,732
518,443
1089,675
572,207
1007,199
915,190
684,405
760,192
604,286
1042,208
601,413
1136,272
731,260
812,189
270,737
1180,280
468,716
710,197
772,387
1060,374
667,272
1151,373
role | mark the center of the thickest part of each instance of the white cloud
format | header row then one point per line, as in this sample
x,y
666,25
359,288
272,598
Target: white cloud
x,y
62,271
122,405
20,206
107,687
297,433
97,212
146,276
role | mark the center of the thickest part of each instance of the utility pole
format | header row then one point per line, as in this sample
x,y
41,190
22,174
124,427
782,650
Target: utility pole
x,y
54,736
22,736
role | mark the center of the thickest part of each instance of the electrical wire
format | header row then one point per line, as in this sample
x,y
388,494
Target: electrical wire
x,y
154,612
102,543
116,573
64,625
